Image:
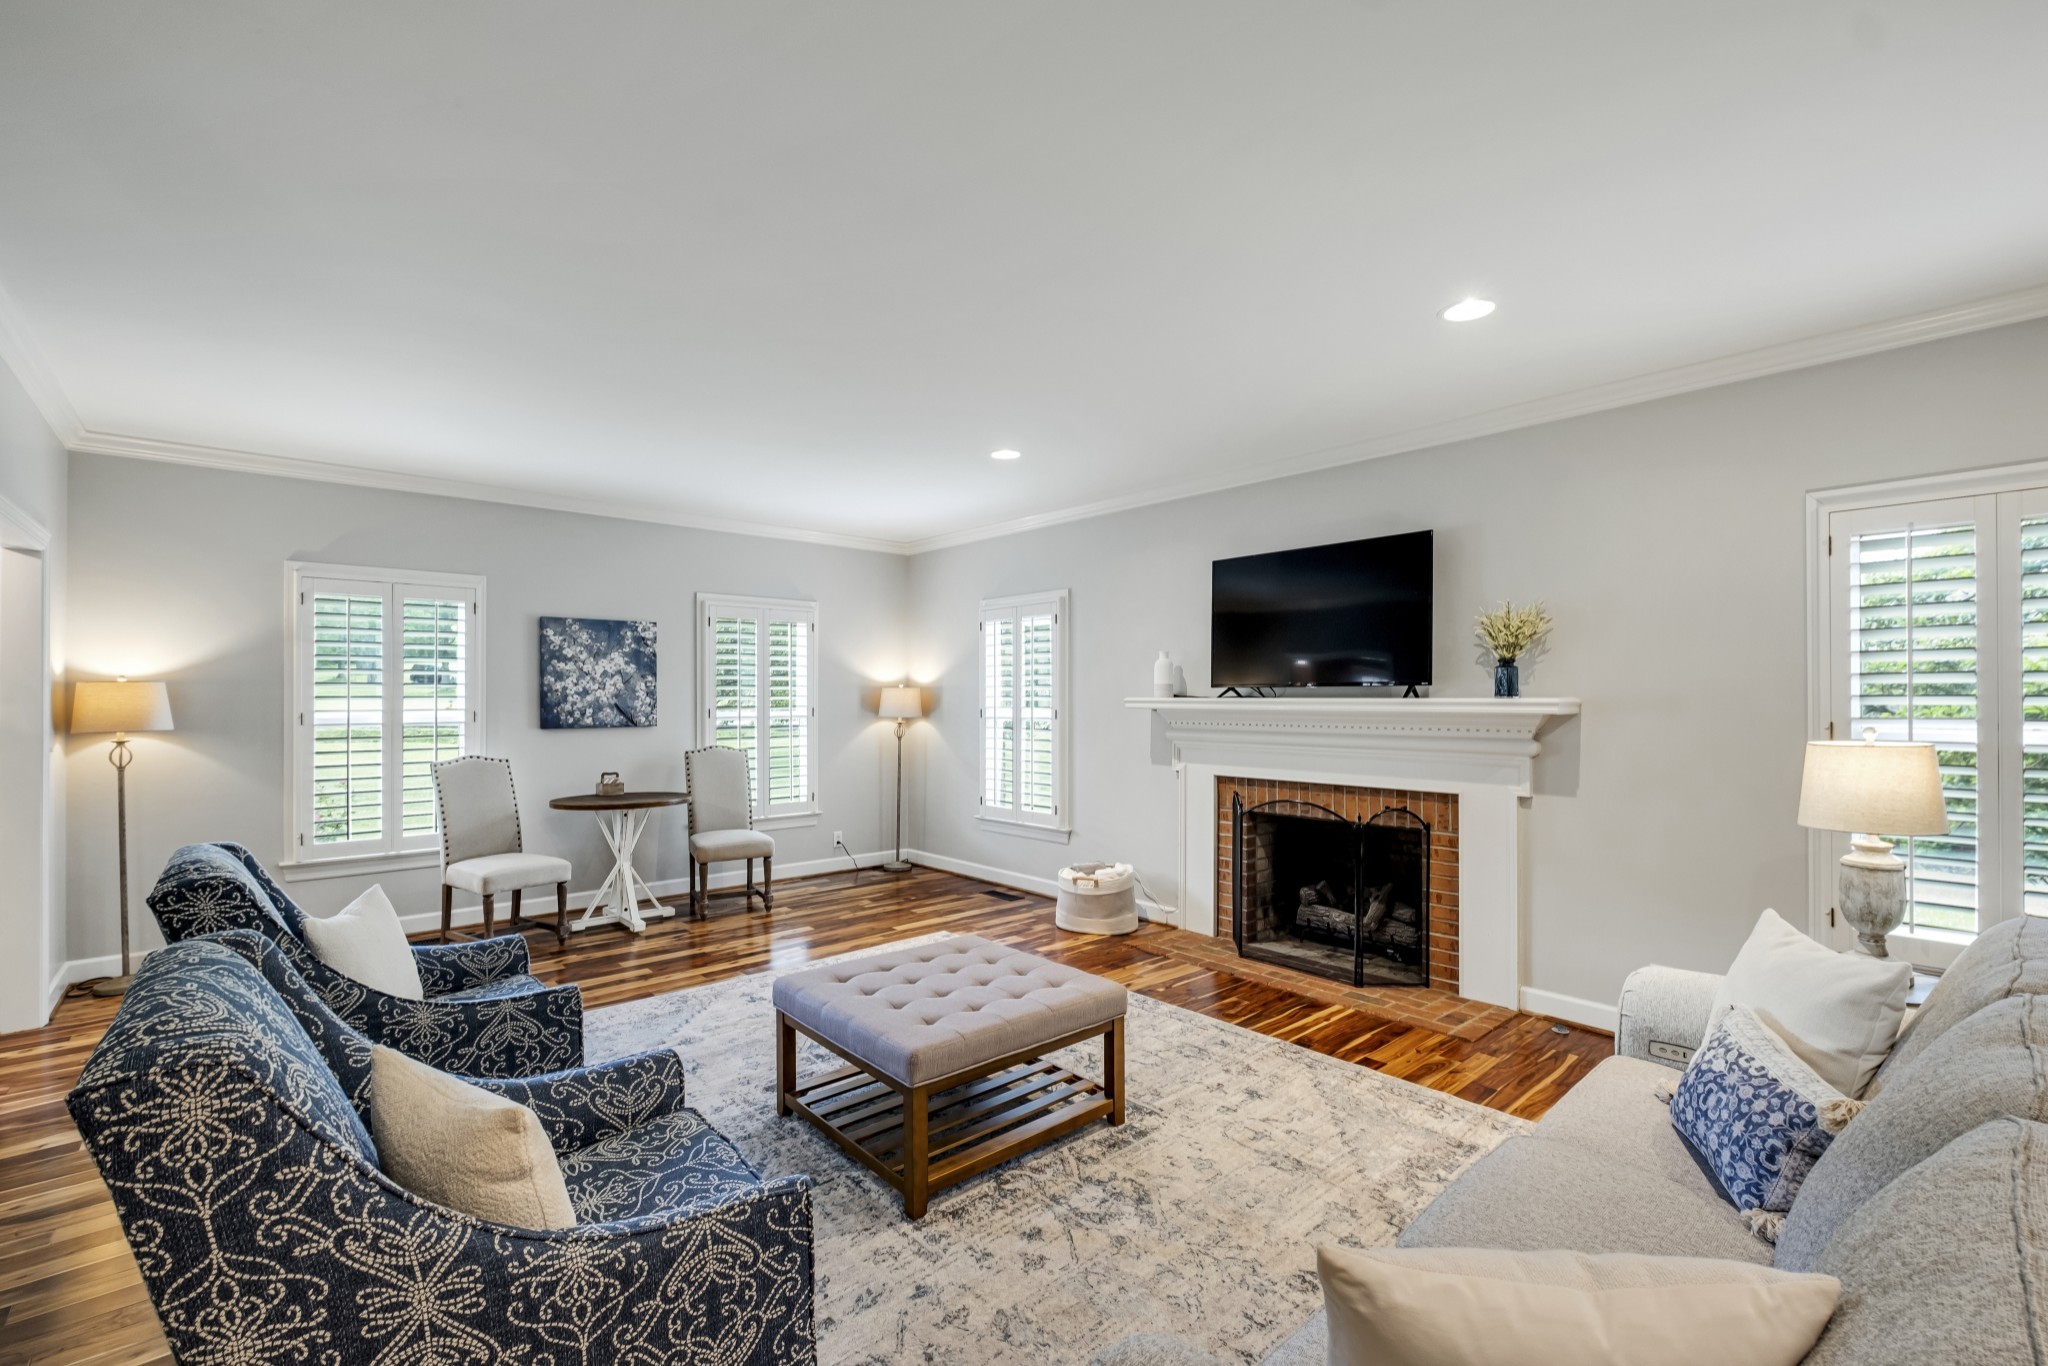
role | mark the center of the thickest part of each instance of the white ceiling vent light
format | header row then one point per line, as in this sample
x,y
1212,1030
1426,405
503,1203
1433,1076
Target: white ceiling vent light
x,y
1467,311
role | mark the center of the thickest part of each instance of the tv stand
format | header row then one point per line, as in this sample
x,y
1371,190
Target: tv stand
x,y
1411,692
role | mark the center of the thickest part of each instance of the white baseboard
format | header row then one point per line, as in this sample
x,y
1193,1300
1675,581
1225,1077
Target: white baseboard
x,y
78,970
1024,882
1574,1009
540,901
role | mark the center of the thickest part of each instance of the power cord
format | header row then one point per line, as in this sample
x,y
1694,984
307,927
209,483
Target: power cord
x,y
857,869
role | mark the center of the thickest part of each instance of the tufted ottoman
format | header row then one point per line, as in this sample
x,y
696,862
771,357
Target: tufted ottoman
x,y
946,1046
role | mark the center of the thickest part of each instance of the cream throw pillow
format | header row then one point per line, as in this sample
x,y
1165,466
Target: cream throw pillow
x,y
1472,1307
1839,1012
366,942
459,1145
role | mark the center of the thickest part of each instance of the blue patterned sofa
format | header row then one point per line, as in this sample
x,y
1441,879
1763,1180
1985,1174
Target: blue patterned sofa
x,y
238,1152
484,1013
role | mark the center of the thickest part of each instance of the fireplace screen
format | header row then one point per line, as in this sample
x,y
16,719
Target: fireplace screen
x,y
1348,900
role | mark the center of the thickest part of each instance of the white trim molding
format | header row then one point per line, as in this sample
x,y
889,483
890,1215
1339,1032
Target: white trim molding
x,y
1480,750
1025,882
1572,1009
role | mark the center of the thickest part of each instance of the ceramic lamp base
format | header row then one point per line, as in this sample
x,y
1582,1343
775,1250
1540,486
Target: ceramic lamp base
x,y
1873,893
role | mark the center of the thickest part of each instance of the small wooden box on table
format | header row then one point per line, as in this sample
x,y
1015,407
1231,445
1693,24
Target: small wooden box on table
x,y
945,1045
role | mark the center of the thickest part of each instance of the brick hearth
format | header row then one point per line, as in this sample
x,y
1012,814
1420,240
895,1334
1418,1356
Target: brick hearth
x,y
1438,809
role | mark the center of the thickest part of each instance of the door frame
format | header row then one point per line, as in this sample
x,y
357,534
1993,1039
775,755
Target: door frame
x,y
21,533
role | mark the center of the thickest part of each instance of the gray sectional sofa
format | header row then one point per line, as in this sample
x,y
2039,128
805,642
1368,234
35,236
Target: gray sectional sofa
x,y
1931,1207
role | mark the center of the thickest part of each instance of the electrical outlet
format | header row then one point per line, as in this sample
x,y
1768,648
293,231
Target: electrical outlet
x,y
839,838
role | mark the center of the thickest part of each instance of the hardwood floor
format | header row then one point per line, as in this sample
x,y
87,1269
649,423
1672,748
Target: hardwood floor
x,y
69,1290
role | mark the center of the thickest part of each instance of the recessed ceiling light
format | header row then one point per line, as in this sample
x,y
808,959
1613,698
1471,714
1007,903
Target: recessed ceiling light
x,y
1467,310
1006,455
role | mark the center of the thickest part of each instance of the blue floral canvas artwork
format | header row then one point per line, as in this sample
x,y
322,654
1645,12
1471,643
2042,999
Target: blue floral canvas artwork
x,y
596,673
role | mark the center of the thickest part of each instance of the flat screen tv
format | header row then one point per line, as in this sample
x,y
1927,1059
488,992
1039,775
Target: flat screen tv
x,y
1329,616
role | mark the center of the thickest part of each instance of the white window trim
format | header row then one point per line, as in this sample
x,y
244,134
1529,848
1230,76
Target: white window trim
x,y
302,864
1058,827
786,816
1824,849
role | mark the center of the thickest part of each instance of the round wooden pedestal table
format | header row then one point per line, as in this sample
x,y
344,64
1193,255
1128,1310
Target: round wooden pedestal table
x,y
621,817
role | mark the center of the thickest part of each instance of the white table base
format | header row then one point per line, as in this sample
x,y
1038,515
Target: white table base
x,y
617,900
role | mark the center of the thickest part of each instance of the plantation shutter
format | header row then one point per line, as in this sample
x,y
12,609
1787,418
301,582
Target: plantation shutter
x,y
787,700
1037,714
760,688
346,644
434,696
2031,782
999,710
384,693
1023,754
734,644
1913,660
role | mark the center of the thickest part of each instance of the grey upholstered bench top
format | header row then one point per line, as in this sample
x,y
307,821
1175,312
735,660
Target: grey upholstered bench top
x,y
919,1014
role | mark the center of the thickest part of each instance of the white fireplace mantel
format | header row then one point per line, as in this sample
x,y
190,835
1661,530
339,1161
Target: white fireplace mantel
x,y
1482,749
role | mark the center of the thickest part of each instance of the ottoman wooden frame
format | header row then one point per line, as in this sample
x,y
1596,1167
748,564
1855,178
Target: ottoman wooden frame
x,y
924,1138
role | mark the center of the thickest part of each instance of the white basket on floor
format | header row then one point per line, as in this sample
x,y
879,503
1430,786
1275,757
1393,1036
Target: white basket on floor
x,y
1098,898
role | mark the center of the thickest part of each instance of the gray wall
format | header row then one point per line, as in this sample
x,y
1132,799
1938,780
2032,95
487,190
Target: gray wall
x,y
1668,540
32,478
180,575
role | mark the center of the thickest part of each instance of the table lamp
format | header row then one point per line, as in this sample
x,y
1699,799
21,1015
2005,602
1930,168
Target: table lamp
x,y
902,705
121,707
1860,786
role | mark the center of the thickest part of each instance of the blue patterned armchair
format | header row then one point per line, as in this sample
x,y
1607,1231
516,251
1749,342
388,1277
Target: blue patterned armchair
x,y
484,1013
241,1162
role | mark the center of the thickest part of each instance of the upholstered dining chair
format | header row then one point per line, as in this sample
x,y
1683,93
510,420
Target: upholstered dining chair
x,y
482,850
722,824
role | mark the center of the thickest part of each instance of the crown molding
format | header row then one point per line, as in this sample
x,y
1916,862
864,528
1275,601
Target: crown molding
x,y
20,353
359,476
1997,311
2018,306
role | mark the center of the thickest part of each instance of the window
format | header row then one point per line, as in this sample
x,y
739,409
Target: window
x,y
1023,712
760,685
1937,632
382,691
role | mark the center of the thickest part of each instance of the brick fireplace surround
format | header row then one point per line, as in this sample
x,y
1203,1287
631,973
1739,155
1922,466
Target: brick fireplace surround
x,y
1439,810
1437,1006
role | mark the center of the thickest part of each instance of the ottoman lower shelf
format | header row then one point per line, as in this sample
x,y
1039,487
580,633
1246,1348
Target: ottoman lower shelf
x,y
922,1139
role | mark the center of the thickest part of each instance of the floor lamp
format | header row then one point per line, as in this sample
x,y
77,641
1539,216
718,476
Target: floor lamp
x,y
119,707
901,705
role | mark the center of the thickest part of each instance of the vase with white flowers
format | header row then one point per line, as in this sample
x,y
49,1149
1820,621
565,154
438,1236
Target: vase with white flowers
x,y
1511,632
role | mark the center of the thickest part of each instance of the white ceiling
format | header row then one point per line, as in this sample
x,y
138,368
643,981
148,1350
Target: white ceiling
x,y
806,264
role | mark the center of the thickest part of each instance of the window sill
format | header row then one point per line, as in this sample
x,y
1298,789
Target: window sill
x,y
1051,834
359,865
786,820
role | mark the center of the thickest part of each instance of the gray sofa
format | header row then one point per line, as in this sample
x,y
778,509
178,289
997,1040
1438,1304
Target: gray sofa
x,y
1931,1207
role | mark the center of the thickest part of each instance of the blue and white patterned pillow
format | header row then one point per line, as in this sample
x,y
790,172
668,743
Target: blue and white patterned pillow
x,y
1756,1116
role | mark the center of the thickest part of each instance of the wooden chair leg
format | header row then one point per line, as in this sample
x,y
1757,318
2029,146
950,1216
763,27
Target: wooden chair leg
x,y
768,883
785,1063
561,912
1113,1068
447,910
696,888
487,915
517,892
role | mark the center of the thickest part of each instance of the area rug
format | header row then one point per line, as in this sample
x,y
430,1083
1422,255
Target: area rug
x,y
1198,1217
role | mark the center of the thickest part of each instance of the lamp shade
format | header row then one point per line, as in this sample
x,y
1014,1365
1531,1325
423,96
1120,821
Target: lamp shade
x,y
120,706
1867,788
902,704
